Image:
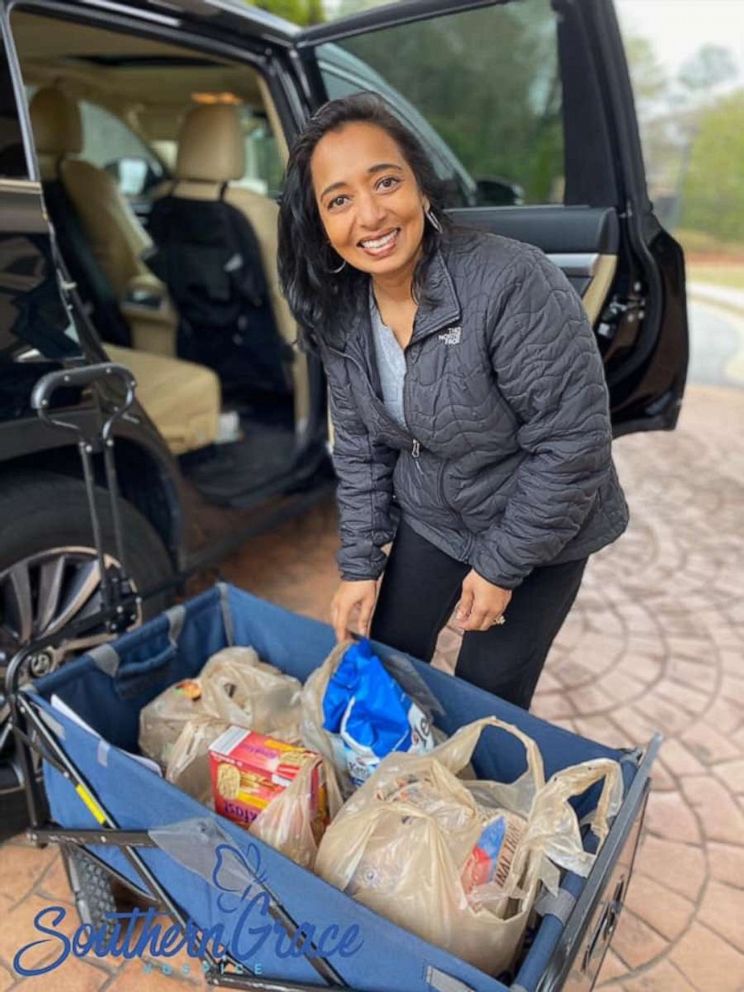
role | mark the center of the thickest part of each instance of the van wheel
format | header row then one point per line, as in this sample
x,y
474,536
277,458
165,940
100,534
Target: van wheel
x,y
49,576
91,886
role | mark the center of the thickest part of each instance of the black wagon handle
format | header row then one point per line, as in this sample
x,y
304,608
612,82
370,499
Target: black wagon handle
x,y
88,375
93,435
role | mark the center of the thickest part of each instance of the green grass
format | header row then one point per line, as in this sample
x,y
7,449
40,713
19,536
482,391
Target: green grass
x,y
728,274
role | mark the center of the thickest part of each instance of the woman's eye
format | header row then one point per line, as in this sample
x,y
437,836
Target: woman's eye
x,y
388,182
337,201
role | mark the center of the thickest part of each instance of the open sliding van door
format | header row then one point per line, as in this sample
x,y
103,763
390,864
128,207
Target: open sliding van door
x,y
526,109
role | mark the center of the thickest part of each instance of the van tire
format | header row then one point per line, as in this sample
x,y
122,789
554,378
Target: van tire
x,y
44,511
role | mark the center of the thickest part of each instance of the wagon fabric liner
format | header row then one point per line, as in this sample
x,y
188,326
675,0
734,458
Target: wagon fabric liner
x,y
109,686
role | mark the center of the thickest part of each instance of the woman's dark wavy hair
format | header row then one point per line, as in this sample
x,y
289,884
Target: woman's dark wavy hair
x,y
319,298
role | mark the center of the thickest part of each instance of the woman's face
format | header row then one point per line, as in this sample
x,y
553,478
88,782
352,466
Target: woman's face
x,y
368,199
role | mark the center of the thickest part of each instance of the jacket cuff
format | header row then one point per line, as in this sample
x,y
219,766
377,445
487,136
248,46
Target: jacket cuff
x,y
358,571
357,577
488,569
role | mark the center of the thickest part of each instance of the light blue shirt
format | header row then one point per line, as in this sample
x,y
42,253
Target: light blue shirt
x,y
391,363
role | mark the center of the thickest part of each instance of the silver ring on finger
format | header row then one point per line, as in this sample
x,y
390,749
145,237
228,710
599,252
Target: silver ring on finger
x,y
498,621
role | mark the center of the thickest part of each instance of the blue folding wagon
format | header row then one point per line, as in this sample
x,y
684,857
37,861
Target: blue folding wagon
x,y
249,917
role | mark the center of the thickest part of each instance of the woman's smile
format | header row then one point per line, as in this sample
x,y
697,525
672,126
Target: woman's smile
x,y
369,202
382,246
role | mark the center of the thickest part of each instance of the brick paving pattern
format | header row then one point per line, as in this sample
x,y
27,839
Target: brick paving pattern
x,y
654,642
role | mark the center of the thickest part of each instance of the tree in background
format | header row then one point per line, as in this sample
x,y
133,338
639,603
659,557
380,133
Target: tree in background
x,y
710,66
690,134
650,78
713,186
657,125
302,12
698,108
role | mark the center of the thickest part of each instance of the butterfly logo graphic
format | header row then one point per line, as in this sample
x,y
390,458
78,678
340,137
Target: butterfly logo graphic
x,y
236,873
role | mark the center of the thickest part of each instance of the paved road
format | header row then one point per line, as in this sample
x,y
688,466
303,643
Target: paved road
x,y
716,317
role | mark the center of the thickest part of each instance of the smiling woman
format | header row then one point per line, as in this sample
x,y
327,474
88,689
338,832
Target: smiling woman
x,y
352,177
373,214
468,401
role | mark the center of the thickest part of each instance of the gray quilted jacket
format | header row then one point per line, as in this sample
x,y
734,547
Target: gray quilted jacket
x,y
506,463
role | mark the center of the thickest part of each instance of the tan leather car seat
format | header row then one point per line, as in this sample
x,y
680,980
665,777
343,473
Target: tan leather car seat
x,y
58,130
211,157
181,398
115,236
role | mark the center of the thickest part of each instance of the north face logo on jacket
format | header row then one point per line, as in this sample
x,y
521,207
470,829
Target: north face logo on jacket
x,y
452,336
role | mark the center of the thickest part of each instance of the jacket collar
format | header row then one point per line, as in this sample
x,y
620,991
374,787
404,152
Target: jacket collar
x,y
439,308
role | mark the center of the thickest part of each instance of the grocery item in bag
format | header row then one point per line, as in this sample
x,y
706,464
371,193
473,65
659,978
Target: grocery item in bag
x,y
162,720
410,844
233,687
250,769
490,861
285,794
355,712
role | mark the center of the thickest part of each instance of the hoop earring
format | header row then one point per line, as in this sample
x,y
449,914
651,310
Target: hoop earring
x,y
433,220
342,266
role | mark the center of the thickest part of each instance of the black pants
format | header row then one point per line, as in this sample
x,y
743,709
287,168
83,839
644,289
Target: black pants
x,y
419,590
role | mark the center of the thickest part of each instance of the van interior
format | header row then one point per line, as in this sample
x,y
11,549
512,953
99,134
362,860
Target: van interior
x,y
160,168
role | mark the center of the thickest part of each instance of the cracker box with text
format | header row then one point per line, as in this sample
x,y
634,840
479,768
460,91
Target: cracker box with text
x,y
249,770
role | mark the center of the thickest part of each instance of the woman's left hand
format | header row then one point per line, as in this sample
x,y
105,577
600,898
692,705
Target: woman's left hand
x,y
481,603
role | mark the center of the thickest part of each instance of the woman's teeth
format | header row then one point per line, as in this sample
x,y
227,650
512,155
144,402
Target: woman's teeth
x,y
380,242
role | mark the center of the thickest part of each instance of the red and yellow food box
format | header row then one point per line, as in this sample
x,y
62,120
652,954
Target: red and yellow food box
x,y
249,770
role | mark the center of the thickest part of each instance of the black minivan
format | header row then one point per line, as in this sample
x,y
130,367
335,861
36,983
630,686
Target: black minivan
x,y
113,119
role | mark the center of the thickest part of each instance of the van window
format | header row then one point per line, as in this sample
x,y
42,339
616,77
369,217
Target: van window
x,y
111,145
481,88
264,169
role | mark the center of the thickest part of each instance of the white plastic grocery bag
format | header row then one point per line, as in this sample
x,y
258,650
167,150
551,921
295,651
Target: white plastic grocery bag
x,y
292,823
234,688
402,842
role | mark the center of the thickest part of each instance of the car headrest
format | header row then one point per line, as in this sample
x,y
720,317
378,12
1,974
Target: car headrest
x,y
56,123
210,145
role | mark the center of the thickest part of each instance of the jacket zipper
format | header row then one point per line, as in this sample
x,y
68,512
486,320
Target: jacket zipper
x,y
416,446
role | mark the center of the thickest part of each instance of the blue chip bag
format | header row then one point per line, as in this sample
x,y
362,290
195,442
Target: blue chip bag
x,y
370,713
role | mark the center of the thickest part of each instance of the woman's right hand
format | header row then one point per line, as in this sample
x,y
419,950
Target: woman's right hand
x,y
360,593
